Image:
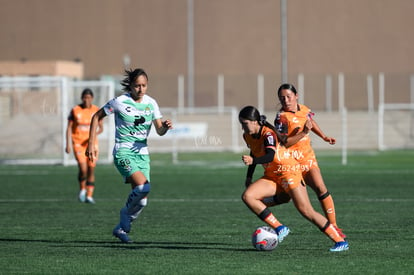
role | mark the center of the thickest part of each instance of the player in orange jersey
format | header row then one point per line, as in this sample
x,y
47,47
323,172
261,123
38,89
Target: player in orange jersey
x,y
294,122
282,173
77,130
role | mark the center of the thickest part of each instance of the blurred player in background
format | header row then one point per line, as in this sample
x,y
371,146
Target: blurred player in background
x,y
134,113
282,173
294,122
77,130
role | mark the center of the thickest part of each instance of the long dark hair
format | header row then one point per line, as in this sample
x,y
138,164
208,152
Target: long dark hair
x,y
131,76
252,114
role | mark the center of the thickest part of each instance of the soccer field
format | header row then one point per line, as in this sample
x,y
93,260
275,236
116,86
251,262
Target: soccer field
x,y
196,223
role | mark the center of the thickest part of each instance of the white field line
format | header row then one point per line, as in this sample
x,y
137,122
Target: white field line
x,y
216,166
25,173
204,200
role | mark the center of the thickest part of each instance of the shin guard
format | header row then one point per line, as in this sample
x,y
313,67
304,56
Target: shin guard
x,y
137,200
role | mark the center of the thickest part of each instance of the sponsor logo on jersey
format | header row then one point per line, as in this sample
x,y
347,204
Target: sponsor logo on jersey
x,y
139,120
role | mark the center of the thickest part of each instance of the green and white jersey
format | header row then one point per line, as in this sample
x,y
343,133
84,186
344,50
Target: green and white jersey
x,y
133,122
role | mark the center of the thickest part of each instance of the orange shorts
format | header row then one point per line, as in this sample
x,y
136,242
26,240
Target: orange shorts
x,y
286,181
308,163
79,152
306,158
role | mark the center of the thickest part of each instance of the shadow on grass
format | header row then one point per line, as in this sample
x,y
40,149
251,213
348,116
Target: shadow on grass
x,y
135,245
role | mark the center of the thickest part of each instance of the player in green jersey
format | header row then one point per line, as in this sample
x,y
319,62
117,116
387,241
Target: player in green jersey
x,y
135,112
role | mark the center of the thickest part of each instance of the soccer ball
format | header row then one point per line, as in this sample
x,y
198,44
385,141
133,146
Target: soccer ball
x,y
264,238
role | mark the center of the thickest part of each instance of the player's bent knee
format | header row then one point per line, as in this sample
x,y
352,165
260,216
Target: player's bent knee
x,y
248,196
244,197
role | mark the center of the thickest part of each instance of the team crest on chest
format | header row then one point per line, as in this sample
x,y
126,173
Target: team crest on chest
x,y
147,111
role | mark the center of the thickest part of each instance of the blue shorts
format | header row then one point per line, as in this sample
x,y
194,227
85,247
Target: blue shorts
x,y
128,164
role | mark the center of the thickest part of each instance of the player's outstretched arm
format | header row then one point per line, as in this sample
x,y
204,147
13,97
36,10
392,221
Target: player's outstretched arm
x,y
91,150
318,131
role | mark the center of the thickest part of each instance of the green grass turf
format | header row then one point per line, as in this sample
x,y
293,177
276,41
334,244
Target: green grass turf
x,y
195,222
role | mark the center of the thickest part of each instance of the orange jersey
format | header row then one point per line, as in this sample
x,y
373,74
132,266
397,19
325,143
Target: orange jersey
x,y
288,124
81,118
283,166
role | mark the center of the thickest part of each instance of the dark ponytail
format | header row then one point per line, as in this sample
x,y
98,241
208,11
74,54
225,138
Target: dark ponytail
x,y
252,114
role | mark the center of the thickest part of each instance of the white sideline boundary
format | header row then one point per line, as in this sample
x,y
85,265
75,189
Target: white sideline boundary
x,y
205,200
212,167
